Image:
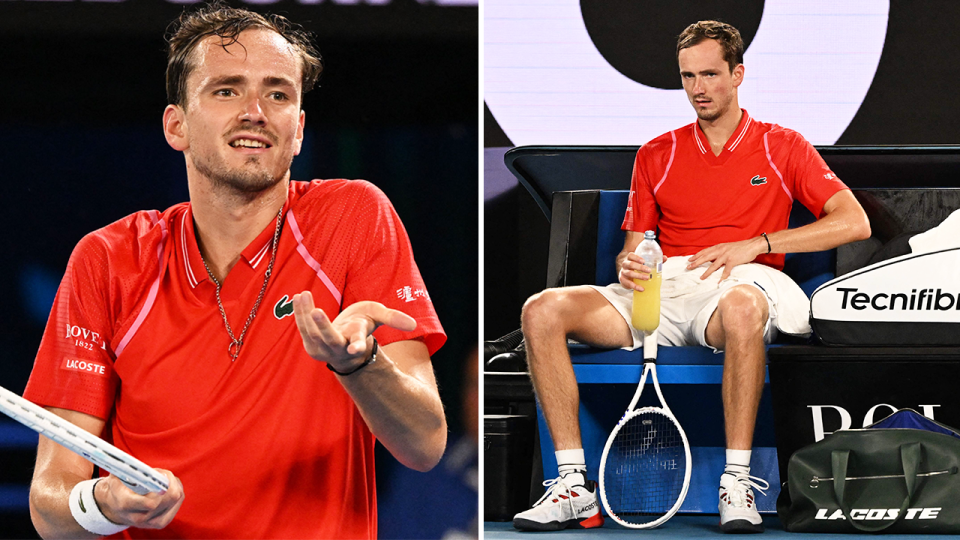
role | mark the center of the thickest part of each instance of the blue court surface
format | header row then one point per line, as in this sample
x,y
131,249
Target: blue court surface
x,y
687,526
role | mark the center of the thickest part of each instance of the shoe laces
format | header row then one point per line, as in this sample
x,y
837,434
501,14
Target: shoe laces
x,y
558,488
739,492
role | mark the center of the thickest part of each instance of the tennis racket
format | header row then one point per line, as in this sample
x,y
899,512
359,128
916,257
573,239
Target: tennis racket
x,y
645,468
131,471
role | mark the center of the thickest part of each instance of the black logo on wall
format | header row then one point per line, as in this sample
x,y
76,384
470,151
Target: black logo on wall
x,y
638,37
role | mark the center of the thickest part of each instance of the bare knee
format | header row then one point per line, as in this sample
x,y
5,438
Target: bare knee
x,y
579,312
743,311
534,312
540,312
564,312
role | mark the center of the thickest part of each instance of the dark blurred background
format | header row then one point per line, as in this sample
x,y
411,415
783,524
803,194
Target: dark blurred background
x,y
81,146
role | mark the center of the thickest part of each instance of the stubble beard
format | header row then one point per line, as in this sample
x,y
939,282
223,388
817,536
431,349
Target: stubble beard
x,y
710,116
248,179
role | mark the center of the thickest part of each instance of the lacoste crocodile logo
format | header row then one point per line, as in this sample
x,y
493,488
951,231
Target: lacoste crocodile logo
x,y
283,308
757,180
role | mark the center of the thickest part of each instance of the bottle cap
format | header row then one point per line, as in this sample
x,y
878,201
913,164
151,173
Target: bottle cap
x,y
649,235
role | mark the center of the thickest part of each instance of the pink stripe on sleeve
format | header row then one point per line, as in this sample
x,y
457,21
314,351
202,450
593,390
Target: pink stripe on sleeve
x,y
766,147
152,295
673,151
311,262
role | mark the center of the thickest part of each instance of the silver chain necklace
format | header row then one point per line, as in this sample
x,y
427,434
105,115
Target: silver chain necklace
x,y
235,343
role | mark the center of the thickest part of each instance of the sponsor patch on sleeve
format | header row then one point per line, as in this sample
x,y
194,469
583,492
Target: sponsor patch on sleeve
x,y
84,366
409,294
84,338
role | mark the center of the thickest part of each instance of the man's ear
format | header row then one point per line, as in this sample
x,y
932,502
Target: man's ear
x,y
299,137
175,128
738,75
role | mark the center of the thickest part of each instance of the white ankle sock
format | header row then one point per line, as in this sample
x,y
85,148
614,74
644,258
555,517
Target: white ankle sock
x,y
572,462
738,461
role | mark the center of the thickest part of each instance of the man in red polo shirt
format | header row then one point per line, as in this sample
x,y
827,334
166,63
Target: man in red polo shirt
x,y
252,343
720,191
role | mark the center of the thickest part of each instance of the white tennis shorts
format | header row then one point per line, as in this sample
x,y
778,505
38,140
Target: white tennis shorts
x,y
687,302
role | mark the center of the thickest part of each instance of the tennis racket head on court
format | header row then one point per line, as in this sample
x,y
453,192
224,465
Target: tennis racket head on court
x,y
645,470
134,473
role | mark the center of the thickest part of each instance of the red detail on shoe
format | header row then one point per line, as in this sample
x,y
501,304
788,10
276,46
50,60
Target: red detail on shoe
x,y
574,494
564,497
595,520
555,500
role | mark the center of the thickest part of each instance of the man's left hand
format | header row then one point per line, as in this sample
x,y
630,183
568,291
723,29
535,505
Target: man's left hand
x,y
345,342
728,255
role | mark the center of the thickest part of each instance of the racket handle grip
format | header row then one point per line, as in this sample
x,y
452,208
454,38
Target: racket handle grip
x,y
650,345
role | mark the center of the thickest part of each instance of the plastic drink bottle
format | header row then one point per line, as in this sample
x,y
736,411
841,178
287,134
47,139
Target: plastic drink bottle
x,y
646,303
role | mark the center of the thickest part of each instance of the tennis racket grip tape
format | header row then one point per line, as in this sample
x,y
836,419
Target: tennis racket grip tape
x,y
650,346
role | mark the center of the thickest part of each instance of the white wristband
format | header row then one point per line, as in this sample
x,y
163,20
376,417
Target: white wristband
x,y
87,513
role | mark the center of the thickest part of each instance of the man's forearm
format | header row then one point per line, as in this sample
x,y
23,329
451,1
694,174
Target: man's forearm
x,y
403,410
56,472
842,226
49,510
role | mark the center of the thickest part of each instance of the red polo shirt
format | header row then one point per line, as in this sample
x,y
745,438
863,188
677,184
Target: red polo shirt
x,y
268,446
699,199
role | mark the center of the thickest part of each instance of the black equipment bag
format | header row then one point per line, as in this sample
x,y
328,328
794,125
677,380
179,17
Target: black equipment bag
x,y
899,475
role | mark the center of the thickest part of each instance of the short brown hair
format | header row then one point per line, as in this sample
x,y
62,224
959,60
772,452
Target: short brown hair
x,y
727,36
221,20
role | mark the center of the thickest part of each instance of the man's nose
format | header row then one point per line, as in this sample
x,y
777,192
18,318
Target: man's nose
x,y
252,112
698,85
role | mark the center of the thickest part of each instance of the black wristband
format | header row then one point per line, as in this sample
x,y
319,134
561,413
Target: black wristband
x,y
367,362
764,235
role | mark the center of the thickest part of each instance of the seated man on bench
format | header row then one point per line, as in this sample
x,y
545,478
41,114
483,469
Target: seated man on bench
x,y
720,190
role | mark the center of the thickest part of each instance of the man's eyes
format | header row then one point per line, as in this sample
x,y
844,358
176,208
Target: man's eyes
x,y
227,92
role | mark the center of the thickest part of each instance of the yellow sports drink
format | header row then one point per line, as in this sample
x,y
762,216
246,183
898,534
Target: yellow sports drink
x,y
646,303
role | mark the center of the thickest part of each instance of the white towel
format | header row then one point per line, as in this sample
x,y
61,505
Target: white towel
x,y
943,236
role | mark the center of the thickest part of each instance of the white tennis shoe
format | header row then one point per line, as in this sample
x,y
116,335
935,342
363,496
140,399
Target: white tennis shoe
x,y
738,509
569,503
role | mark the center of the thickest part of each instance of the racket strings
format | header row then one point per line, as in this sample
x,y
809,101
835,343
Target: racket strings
x,y
645,468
